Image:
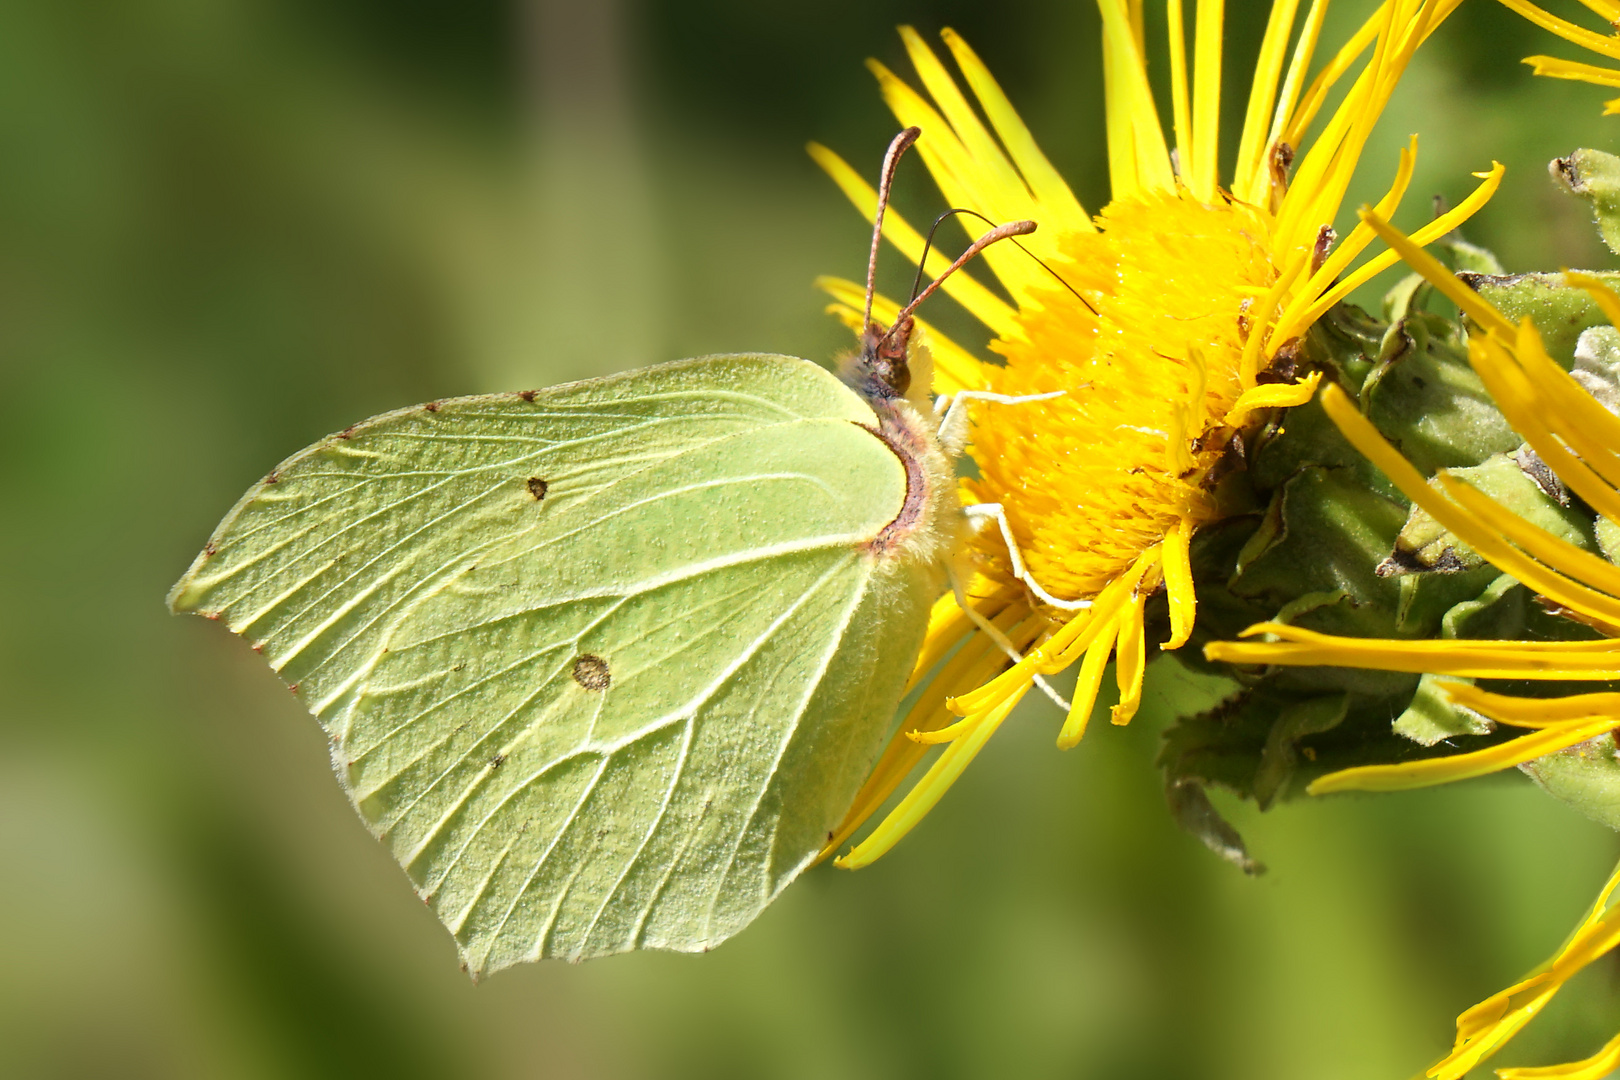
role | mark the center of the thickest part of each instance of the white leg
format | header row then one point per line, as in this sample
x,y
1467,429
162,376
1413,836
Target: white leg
x,y
978,512
953,428
997,636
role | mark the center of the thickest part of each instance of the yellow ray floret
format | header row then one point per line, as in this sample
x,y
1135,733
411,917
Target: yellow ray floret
x,y
1596,1067
1604,45
1559,722
1153,323
1485,1028
1465,659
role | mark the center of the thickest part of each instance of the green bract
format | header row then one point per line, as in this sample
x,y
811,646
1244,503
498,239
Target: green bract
x,y
601,664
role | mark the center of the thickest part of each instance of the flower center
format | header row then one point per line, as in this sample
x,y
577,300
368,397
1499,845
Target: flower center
x,y
1093,479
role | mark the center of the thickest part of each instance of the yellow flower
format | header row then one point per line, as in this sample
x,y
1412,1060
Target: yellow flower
x,y
1159,320
1580,440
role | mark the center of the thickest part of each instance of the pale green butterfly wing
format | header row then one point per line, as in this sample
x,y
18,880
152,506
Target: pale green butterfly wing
x,y
602,664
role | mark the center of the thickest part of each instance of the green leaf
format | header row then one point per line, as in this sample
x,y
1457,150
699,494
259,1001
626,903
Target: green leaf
x,y
1191,809
1296,721
601,664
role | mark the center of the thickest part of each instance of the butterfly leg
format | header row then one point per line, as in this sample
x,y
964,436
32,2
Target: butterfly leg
x,y
952,408
977,514
959,572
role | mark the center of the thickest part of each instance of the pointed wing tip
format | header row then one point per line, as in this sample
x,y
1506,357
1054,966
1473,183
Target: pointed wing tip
x,y
183,596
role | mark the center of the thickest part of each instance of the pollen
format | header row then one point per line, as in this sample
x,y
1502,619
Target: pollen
x,y
1092,480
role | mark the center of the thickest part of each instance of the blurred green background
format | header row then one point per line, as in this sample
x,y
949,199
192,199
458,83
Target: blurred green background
x,y
228,227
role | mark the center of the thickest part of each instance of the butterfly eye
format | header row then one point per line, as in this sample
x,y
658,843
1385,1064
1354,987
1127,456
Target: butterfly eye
x,y
591,672
538,488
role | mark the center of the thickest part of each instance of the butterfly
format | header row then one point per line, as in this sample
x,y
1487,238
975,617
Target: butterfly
x,y
604,664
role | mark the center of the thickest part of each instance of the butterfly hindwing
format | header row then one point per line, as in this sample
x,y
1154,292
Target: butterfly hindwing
x,y
601,664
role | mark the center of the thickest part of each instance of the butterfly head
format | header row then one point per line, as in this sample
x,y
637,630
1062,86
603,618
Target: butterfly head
x,y
882,368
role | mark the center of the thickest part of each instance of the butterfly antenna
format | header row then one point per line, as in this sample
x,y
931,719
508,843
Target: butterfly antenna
x,y
1000,232
891,160
929,243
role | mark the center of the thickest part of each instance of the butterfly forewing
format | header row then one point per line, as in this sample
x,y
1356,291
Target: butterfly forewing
x,y
601,664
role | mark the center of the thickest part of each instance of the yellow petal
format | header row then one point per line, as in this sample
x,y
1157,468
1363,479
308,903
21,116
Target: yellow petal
x,y
1533,712
1563,423
1000,182
1596,1067
1465,658
1138,160
1555,68
1130,660
1294,133
1444,770
1180,102
1603,46
1252,148
1295,318
1272,396
928,791
1059,209
1364,273
1087,685
1178,583
1435,271
1255,186
977,660
1486,1027
1201,169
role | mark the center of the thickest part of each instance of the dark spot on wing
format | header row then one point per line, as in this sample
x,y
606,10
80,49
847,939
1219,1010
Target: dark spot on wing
x,y
537,488
591,672
432,406
273,478
209,549
527,395
495,762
